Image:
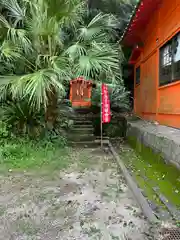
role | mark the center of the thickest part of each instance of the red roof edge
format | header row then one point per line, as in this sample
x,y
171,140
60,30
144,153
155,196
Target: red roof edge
x,y
142,14
131,19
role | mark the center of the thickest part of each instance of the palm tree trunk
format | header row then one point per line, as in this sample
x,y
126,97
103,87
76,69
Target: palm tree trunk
x,y
51,111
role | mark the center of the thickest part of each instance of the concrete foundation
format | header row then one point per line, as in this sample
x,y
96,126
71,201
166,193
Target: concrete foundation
x,y
161,139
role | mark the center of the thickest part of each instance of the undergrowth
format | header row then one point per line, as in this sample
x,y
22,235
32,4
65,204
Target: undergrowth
x,y
24,153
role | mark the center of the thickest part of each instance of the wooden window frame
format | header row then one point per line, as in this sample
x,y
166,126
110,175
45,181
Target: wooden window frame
x,y
138,75
169,69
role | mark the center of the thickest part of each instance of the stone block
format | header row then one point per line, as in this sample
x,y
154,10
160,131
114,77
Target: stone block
x,y
161,139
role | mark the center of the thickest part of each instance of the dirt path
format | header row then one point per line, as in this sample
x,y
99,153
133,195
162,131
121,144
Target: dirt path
x,y
89,200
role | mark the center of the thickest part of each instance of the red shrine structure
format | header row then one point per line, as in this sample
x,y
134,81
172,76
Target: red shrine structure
x,y
80,92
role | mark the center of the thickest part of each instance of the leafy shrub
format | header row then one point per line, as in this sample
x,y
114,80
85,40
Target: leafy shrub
x,y
119,97
115,130
4,133
18,118
21,119
65,114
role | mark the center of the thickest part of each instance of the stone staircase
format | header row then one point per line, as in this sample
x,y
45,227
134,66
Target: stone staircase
x,y
82,133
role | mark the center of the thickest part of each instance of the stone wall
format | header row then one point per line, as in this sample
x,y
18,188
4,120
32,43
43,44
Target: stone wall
x,y
161,139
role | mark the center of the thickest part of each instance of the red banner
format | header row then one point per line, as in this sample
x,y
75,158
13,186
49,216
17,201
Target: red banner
x,y
106,110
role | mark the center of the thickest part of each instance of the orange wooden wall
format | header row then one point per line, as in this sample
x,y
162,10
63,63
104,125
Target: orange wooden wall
x,y
152,102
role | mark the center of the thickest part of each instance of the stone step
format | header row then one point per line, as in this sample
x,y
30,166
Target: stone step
x,y
81,137
84,122
81,130
104,138
82,126
81,116
83,111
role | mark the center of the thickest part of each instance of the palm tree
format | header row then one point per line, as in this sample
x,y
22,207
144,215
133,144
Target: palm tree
x,y
45,43
122,9
93,54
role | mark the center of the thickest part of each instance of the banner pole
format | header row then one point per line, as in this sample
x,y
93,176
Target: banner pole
x,y
101,120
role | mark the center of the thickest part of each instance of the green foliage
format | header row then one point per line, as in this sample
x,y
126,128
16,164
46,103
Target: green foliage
x,y
21,142
21,119
119,97
93,54
122,9
36,50
44,44
24,154
115,130
4,132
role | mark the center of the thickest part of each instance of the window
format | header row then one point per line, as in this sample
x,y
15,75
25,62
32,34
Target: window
x,y
138,73
170,61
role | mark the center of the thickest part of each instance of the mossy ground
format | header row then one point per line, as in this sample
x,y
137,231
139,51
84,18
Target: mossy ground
x,y
145,162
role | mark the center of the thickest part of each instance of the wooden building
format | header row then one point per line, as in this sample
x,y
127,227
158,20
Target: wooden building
x,y
154,36
80,92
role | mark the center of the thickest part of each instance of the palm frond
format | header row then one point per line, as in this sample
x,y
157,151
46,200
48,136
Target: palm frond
x,y
9,52
43,60
16,35
98,28
43,25
76,50
90,34
4,23
21,118
19,37
99,18
16,12
71,13
6,83
39,30
61,65
96,62
36,87
45,31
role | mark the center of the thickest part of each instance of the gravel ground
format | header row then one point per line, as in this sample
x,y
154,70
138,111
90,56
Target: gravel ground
x,y
89,200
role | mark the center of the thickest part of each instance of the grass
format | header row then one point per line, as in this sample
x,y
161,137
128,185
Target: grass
x,y
164,176
26,154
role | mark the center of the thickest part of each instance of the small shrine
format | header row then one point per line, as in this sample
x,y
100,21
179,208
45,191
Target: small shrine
x,y
80,92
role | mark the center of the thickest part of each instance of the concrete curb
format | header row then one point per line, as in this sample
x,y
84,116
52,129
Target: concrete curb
x,y
162,140
134,188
